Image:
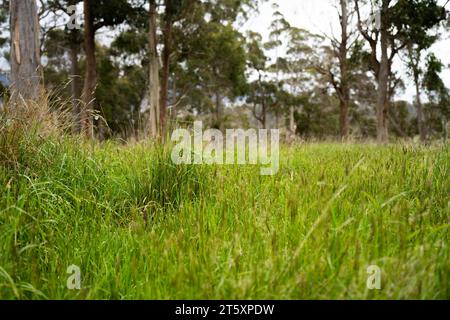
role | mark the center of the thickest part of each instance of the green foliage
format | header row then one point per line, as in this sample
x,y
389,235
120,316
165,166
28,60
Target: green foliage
x,y
434,84
109,13
318,117
119,94
439,95
414,18
212,61
256,57
432,81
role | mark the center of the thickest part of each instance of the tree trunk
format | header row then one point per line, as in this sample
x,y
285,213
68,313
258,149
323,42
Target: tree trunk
x,y
445,128
75,87
420,115
292,126
167,35
277,117
90,79
383,78
174,97
343,64
219,112
154,118
343,119
26,72
264,115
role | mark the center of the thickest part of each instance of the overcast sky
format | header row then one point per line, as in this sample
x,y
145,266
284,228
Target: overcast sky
x,y
320,16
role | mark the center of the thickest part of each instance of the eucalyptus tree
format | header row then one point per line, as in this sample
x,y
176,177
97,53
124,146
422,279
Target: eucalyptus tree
x,y
174,10
388,30
153,128
417,42
98,14
208,57
438,93
278,35
218,16
257,65
339,72
25,56
61,41
304,54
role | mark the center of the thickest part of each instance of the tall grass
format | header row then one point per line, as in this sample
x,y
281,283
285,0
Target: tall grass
x,y
140,227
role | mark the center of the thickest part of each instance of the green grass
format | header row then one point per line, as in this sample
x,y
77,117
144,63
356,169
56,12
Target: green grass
x,y
142,228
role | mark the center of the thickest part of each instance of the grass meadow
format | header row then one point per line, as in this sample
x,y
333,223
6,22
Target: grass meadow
x,y
140,227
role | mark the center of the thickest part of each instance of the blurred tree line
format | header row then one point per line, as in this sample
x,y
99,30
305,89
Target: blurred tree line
x,y
138,68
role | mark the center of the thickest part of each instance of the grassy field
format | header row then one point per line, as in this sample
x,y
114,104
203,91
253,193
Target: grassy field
x,y
140,227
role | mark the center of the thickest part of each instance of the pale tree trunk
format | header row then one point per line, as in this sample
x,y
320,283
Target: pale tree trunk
x,y
343,116
291,119
90,79
26,72
414,61
219,112
380,68
75,86
383,78
292,125
167,34
420,115
262,118
344,95
264,115
153,128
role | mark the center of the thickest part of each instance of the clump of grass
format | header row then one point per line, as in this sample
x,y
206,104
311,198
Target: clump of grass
x,y
159,183
26,126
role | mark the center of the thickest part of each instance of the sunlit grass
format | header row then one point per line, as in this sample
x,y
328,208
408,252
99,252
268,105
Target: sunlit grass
x,y
140,227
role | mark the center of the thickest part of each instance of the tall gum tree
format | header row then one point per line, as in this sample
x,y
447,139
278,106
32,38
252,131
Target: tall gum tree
x,y
340,80
418,42
26,71
71,39
397,24
90,78
98,14
153,126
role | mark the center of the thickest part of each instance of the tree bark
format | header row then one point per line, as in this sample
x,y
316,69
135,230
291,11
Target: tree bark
x,y
414,62
264,114
262,118
174,97
420,115
343,118
167,36
292,125
343,64
90,79
383,78
382,68
154,90
219,112
75,87
26,71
